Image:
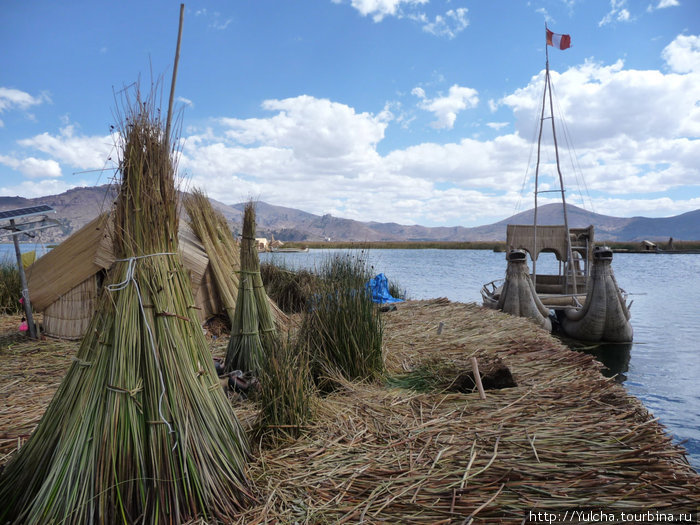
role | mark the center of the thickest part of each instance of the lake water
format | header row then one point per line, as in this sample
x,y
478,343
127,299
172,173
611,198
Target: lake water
x,y
661,367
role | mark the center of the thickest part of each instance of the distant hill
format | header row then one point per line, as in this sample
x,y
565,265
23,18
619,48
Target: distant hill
x,y
76,207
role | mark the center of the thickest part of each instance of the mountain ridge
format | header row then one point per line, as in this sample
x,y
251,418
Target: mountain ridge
x,y
77,206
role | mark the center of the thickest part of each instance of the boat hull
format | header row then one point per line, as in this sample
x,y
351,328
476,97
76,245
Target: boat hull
x,y
599,315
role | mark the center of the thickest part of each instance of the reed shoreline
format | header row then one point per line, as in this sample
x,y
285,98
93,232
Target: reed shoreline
x,y
564,438
497,246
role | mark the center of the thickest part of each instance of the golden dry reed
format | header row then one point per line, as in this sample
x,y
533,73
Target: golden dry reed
x,y
222,249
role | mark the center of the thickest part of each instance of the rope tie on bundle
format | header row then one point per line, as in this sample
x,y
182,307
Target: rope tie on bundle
x,y
129,278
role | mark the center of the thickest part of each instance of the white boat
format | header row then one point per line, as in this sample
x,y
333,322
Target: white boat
x,y
583,299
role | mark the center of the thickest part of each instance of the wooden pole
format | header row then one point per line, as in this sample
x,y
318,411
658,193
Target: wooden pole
x,y
534,253
569,256
477,378
23,280
172,84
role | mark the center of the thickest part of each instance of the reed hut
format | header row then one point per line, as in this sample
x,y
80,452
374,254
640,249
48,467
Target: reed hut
x,y
65,283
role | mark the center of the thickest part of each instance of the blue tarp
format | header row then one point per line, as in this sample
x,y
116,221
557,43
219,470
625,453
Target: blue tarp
x,y
379,288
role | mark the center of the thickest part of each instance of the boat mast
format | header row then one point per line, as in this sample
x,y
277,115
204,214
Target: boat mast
x,y
537,170
570,262
569,266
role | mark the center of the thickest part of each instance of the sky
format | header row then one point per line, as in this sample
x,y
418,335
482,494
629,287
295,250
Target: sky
x,y
409,111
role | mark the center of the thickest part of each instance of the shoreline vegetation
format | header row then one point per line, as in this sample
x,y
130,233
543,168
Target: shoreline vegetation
x,y
10,288
496,246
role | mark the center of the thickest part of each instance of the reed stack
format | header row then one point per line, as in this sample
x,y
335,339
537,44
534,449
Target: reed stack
x,y
139,429
211,228
253,330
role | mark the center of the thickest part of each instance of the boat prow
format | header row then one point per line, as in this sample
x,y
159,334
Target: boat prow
x,y
586,303
605,315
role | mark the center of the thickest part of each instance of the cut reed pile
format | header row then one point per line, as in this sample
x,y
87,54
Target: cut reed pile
x,y
139,429
563,438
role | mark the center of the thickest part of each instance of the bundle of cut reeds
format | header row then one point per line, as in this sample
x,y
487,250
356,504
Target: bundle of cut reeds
x,y
139,430
252,329
222,249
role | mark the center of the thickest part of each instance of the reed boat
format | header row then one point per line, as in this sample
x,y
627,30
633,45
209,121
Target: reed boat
x,y
290,250
582,300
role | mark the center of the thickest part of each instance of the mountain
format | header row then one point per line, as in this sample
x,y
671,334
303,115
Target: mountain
x,y
76,207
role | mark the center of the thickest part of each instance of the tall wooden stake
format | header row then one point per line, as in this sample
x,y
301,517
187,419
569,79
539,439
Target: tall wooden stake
x,y
172,84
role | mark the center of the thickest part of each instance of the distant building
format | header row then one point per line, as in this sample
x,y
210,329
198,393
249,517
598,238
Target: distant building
x,y
262,244
649,246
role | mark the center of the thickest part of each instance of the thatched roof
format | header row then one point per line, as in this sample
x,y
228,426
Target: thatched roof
x,y
80,256
90,250
549,238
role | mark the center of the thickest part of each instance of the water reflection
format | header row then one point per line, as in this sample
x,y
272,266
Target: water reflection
x,y
615,357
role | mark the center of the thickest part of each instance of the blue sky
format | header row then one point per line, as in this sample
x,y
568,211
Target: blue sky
x,y
411,111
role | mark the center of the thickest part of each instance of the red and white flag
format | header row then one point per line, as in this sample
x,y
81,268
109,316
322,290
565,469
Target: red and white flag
x,y
558,41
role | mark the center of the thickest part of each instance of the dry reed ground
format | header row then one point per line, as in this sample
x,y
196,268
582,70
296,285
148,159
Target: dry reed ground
x,y
564,438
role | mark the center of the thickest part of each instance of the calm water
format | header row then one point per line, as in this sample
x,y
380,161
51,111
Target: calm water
x,y
661,367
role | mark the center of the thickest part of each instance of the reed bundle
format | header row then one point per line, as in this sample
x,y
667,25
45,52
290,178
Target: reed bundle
x,y
222,249
139,429
252,328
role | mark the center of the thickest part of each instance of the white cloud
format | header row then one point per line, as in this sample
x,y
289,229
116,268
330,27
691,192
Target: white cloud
x,y
450,24
32,167
667,3
378,9
683,54
418,91
618,13
78,151
498,125
15,99
185,101
445,108
603,102
32,189
312,128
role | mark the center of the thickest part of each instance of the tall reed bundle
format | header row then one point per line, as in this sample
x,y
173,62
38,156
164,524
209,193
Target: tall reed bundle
x,y
342,329
222,249
139,430
252,329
